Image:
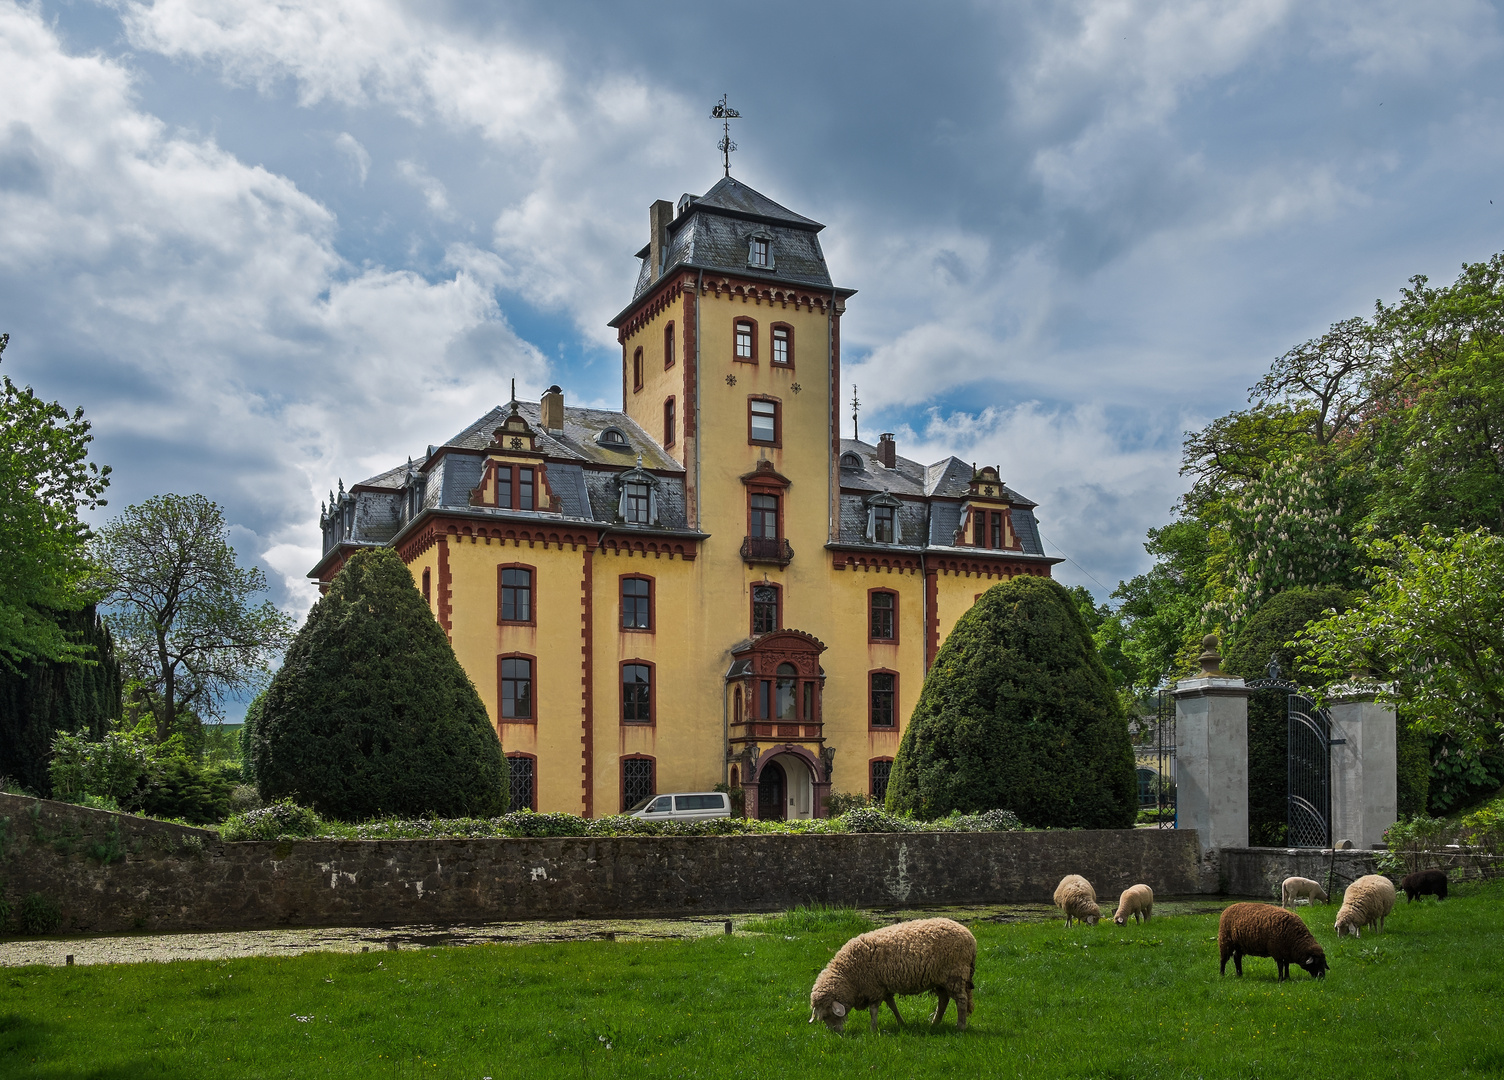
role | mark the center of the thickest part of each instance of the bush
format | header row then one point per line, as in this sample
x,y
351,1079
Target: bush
x,y
111,768
282,818
839,802
1154,815
371,713
40,915
189,791
988,821
874,820
1018,712
527,823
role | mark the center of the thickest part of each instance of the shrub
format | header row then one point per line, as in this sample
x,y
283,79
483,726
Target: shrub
x,y
371,713
839,802
189,791
282,818
111,768
989,821
1018,712
874,820
527,823
40,915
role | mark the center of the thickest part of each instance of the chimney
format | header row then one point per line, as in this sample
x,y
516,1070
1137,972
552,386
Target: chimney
x,y
887,450
552,411
659,215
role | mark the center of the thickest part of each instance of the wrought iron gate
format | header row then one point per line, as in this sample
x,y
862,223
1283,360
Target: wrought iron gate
x,y
1308,758
1166,813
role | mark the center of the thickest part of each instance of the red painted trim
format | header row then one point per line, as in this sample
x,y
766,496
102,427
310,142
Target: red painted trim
x,y
534,759
445,587
735,322
532,689
752,617
877,640
931,618
587,680
621,776
896,722
652,626
621,694
668,346
777,442
630,545
987,568
532,602
874,560
773,351
778,491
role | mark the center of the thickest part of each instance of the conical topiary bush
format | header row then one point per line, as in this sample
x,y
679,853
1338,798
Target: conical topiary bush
x,y
371,712
1018,713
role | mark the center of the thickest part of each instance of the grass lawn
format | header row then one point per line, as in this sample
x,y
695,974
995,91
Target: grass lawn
x,y
1424,998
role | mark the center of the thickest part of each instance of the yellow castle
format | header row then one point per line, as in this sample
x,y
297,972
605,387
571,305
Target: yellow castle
x,y
710,586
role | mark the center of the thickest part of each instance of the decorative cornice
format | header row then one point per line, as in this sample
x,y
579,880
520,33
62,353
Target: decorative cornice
x,y
987,568
873,560
658,547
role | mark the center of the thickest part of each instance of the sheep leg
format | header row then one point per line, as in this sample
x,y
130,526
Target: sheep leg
x,y
942,1004
960,989
1284,970
892,1005
1237,962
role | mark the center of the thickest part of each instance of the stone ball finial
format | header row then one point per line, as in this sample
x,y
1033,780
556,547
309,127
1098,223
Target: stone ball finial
x,y
1211,660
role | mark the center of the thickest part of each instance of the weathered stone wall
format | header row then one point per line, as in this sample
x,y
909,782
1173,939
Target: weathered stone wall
x,y
1259,871
114,872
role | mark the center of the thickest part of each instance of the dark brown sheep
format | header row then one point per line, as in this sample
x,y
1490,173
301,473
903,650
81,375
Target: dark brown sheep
x,y
1266,930
1425,883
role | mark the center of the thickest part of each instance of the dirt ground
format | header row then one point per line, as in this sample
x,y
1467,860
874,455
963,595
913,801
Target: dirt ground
x,y
293,941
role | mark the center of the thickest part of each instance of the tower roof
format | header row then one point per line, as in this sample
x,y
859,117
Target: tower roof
x,y
732,197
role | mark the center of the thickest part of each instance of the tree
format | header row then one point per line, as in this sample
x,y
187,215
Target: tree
x,y
371,712
183,607
45,479
1019,713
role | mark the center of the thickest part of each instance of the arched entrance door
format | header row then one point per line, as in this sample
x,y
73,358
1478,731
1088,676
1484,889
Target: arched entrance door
x,y
772,789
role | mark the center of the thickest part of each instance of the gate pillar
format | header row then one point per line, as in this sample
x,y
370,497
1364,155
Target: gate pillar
x,y
1365,786
1211,737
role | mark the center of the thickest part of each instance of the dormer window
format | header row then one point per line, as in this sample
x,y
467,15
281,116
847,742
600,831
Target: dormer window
x,y
851,461
634,503
637,499
613,439
882,524
761,252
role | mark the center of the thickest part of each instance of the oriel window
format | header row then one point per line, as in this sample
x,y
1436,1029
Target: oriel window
x,y
788,692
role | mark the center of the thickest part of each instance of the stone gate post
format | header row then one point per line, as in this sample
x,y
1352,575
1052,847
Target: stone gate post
x,y
1211,749
1365,761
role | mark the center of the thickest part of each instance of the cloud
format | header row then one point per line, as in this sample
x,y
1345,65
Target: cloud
x,y
434,195
349,145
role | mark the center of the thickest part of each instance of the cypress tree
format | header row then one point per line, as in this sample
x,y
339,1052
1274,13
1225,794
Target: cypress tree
x,y
1019,713
371,713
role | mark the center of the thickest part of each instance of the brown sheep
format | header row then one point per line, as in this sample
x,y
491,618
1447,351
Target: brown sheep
x,y
1425,883
1075,896
905,958
1136,900
1266,930
1367,902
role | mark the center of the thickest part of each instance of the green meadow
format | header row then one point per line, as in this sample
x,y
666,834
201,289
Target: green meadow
x,y
1425,998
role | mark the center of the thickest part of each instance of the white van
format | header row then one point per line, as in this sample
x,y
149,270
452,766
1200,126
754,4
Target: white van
x,y
691,806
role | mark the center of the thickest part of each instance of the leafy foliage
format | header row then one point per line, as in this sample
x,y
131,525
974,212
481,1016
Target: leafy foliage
x,y
371,712
187,790
1018,713
111,768
282,818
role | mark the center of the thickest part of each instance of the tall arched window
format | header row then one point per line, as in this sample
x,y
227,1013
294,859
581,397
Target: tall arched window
x,y
637,369
668,346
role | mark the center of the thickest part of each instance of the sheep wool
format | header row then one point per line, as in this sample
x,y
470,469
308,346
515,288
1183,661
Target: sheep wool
x,y
1366,902
1075,896
1300,888
1137,900
1425,883
905,958
1266,930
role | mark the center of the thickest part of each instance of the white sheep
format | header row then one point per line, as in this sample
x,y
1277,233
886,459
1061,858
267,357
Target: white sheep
x,y
1075,896
1300,888
905,958
1137,900
1365,903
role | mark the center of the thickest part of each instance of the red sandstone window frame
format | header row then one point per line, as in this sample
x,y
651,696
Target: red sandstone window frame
x,y
512,484
871,638
670,421
532,688
621,691
532,611
637,370
871,700
788,363
427,586
668,346
736,324
621,773
752,606
514,755
777,441
621,606
872,779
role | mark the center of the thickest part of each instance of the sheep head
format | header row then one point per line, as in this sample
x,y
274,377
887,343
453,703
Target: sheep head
x,y
1315,964
832,1012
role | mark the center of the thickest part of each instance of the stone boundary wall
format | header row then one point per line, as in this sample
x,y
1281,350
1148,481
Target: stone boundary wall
x,y
1258,872
113,872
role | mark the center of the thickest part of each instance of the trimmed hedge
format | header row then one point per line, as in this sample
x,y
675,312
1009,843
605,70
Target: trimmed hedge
x,y
1019,713
371,713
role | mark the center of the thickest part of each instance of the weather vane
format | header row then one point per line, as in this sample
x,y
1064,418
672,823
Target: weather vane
x,y
855,405
725,114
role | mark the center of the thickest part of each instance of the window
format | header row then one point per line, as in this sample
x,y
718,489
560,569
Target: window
x,y
514,487
765,609
668,422
851,461
979,528
636,781
668,346
883,607
783,344
516,677
881,770
636,694
765,516
884,687
758,256
524,489
637,369
613,438
515,594
427,580
882,524
762,421
788,692
522,779
636,507
997,530
745,336
636,603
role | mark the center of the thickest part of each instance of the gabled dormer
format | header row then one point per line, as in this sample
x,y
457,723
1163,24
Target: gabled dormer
x,y
987,513
515,475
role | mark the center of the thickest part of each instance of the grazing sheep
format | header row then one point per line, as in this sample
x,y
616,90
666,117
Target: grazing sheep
x,y
1365,903
1297,888
1425,883
905,958
1136,900
1266,930
1075,896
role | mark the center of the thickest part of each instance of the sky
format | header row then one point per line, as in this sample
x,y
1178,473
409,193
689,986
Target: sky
x,y
270,246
